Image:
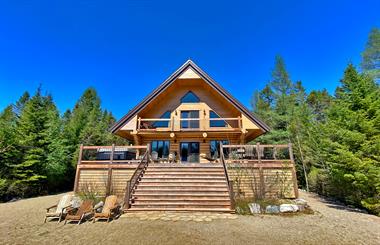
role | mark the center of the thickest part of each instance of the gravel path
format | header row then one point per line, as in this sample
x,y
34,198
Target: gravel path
x,y
21,222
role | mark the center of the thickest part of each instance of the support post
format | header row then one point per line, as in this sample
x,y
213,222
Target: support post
x,y
232,195
138,123
293,167
261,172
109,177
77,173
127,195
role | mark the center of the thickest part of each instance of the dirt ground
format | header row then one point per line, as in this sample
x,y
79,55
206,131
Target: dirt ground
x,y
21,222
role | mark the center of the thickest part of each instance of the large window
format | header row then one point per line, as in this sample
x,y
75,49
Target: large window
x,y
163,124
161,147
215,148
216,123
190,97
189,119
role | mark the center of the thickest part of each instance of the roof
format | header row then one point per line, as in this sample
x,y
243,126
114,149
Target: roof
x,y
171,79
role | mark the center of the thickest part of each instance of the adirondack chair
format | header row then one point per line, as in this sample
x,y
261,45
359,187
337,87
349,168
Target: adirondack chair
x,y
60,208
109,210
84,210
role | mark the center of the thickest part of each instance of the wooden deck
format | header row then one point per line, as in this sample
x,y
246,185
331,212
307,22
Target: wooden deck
x,y
246,171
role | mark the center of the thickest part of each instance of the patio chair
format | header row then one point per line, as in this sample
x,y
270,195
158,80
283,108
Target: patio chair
x,y
154,156
110,209
60,208
78,215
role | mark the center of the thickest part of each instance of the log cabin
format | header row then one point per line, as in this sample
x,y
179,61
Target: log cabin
x,y
189,151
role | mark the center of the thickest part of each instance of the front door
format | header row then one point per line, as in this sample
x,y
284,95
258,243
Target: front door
x,y
189,151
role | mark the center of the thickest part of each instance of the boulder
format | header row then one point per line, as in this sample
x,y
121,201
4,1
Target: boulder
x,y
272,209
255,208
288,208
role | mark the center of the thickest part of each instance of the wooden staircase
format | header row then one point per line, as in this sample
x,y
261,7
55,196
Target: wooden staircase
x,y
182,187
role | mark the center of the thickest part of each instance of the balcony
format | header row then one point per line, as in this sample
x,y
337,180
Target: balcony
x,y
188,124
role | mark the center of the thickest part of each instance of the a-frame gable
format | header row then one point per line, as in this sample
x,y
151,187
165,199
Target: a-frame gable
x,y
189,70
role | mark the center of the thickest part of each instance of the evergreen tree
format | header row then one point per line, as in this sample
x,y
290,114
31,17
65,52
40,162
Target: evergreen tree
x,y
33,127
353,139
371,55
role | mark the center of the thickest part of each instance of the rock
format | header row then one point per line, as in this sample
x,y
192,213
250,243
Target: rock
x,y
301,208
288,208
255,208
272,209
300,201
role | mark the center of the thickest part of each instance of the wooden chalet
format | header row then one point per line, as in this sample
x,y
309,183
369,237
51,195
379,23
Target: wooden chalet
x,y
189,151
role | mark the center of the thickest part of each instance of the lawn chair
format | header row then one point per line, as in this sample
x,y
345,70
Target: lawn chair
x,y
60,208
84,210
110,209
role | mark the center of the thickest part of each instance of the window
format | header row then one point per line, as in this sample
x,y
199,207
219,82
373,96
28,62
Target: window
x,y
161,147
216,123
215,148
163,124
188,119
190,97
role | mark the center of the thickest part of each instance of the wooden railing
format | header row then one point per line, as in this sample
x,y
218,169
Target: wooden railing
x,y
109,158
229,182
136,177
189,124
261,157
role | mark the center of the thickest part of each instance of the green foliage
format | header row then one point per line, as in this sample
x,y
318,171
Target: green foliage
x,y
336,139
371,55
39,148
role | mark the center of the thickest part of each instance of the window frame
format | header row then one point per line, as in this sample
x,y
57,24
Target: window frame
x,y
155,146
216,144
190,124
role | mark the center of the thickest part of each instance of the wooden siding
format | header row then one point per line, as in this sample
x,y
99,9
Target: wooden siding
x,y
119,181
93,181
273,181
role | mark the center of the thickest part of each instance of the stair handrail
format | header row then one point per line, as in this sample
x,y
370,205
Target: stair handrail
x,y
139,171
229,182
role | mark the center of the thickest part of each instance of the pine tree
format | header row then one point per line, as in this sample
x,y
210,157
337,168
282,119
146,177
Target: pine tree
x,y
353,136
371,55
30,173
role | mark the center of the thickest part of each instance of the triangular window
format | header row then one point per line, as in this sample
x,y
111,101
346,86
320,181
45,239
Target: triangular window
x,y
190,97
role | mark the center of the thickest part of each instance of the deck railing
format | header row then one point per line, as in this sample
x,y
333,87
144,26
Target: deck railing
x,y
136,177
189,124
260,157
230,183
109,158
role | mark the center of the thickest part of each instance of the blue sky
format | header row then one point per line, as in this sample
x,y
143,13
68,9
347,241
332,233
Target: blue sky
x,y
127,48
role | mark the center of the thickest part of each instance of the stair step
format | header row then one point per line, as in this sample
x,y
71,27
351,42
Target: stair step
x,y
183,170
182,199
181,205
176,192
188,165
180,188
201,181
184,173
184,177
199,194
220,210
166,185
